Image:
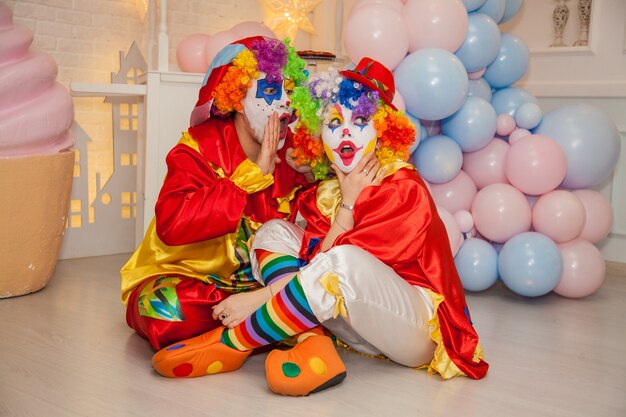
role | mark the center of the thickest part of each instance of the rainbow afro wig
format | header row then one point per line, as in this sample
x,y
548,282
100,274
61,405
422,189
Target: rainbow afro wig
x,y
232,70
394,131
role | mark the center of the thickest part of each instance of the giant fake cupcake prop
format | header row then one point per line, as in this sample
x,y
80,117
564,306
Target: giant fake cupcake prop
x,y
36,167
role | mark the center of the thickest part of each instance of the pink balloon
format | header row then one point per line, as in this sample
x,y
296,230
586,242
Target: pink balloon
x,y
191,53
486,165
398,101
454,234
560,215
535,164
216,43
505,124
378,32
456,194
517,134
476,74
393,4
247,29
464,220
435,24
599,215
500,212
583,269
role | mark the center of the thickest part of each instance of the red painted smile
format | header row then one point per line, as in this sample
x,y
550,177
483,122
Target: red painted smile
x,y
346,151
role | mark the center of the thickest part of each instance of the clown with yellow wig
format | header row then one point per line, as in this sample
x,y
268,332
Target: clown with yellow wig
x,y
373,264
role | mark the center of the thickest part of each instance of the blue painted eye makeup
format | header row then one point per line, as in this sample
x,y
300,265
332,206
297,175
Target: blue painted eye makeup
x,y
269,90
360,121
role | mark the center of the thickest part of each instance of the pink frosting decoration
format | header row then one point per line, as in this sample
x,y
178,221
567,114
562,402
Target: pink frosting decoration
x,y
36,112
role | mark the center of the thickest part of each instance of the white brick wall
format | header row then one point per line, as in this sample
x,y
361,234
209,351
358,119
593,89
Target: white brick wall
x,y
85,37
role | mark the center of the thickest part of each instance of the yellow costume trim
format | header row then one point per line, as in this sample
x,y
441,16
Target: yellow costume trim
x,y
248,177
394,165
441,363
330,282
329,193
212,261
188,140
328,198
283,202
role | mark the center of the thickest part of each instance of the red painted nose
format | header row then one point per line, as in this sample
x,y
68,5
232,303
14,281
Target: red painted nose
x,y
346,131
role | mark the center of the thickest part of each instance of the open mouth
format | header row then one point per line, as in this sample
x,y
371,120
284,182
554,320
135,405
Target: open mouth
x,y
284,121
346,151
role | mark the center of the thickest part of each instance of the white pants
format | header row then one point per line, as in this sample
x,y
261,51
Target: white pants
x,y
385,313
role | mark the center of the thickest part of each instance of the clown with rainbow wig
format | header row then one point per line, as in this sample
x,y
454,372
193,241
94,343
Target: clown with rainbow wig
x,y
373,264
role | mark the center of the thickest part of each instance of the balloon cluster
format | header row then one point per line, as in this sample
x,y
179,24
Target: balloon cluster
x,y
195,52
512,184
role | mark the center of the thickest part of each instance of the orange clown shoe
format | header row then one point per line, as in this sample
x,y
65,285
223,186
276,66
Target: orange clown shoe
x,y
311,366
198,356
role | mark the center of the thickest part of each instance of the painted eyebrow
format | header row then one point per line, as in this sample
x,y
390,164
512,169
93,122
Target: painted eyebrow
x,y
337,108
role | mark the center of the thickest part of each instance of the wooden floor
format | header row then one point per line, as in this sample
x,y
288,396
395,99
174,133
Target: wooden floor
x,y
66,351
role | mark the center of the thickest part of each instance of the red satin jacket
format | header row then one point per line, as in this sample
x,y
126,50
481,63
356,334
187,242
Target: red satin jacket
x,y
398,223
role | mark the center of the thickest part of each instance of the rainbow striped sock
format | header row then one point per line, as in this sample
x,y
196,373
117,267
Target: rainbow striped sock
x,y
286,314
275,265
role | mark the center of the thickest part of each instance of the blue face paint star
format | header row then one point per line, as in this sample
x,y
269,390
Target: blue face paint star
x,y
269,90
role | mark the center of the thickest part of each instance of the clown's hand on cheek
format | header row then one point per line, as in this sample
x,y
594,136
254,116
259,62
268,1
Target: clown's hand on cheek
x,y
366,172
268,158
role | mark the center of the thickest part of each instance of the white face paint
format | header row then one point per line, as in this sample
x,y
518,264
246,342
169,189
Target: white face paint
x,y
261,100
347,136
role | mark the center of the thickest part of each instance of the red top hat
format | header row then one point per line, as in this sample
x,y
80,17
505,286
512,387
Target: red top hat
x,y
375,76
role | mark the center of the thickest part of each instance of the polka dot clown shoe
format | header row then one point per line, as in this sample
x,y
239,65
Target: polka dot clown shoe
x,y
311,366
198,356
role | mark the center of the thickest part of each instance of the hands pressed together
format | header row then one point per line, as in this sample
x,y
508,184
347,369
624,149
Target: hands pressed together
x,y
268,158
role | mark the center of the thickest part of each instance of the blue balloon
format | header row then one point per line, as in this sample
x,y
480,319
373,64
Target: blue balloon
x,y
528,116
511,63
433,83
472,126
530,264
438,159
418,131
494,9
479,88
472,5
590,140
477,264
511,9
508,100
482,43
